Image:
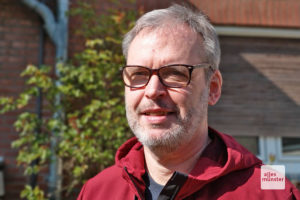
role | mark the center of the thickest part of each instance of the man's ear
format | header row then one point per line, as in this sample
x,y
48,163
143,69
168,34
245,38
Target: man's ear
x,y
215,87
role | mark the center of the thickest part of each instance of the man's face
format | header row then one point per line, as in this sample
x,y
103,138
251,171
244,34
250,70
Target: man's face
x,y
165,118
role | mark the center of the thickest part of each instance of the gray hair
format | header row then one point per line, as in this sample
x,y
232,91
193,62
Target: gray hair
x,y
179,14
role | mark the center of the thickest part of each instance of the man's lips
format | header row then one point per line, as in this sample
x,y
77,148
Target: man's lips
x,y
157,115
157,112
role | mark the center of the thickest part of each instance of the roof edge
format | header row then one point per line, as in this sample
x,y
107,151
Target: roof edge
x,y
258,32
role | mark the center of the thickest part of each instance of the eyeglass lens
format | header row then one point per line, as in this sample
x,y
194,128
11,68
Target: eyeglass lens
x,y
171,76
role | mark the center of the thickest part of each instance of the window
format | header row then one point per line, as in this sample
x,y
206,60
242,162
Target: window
x,y
249,142
290,146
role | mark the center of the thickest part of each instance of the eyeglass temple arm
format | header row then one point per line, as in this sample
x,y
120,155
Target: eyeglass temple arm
x,y
204,65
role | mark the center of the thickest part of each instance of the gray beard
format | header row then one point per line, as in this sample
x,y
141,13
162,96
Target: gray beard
x,y
180,133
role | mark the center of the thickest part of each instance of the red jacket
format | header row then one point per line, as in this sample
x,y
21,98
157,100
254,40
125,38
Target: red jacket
x,y
225,170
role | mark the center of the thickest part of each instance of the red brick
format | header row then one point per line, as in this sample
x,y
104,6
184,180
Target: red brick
x,y
5,129
255,12
5,144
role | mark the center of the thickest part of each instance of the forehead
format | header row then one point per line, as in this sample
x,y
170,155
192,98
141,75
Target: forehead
x,y
169,43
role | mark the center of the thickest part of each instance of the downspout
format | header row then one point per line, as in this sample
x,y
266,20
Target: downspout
x,y
57,29
39,99
61,44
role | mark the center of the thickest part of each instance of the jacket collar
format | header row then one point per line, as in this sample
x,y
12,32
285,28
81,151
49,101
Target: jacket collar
x,y
222,156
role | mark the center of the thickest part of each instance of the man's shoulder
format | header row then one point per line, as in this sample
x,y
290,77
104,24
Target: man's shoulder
x,y
110,174
246,183
102,185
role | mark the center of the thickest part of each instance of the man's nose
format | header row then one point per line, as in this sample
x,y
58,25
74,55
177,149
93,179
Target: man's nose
x,y
155,88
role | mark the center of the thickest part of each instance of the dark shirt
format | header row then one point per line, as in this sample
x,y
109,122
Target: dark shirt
x,y
153,189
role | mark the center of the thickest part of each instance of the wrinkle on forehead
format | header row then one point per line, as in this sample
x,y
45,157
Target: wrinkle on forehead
x,y
179,40
173,31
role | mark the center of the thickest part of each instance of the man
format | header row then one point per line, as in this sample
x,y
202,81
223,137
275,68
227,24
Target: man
x,y
170,78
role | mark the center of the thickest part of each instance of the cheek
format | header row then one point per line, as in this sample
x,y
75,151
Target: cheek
x,y
182,99
189,99
133,98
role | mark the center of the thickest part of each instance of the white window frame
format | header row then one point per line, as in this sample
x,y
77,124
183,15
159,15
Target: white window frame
x,y
281,156
261,149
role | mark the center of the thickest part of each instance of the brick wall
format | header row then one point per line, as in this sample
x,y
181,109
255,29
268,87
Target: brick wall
x,y
267,13
19,46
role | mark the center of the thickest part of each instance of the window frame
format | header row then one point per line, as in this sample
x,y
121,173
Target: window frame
x,y
281,156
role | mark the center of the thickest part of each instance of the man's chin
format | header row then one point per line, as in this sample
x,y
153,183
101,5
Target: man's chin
x,y
160,141
153,138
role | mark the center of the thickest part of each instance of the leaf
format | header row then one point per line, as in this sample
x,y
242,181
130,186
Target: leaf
x,y
82,108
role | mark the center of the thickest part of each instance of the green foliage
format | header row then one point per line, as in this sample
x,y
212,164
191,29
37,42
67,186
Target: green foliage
x,y
90,95
32,193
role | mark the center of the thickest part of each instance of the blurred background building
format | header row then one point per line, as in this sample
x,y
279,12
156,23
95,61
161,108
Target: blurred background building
x,y
260,104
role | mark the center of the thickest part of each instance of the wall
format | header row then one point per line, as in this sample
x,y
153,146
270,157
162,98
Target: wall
x,y
19,46
261,93
266,13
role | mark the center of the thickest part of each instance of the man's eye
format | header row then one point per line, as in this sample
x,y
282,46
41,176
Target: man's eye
x,y
139,73
174,73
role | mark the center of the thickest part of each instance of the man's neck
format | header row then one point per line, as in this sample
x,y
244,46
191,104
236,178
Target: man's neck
x,y
162,165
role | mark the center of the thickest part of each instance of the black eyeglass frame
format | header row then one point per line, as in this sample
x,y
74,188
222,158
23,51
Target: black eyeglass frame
x,y
152,71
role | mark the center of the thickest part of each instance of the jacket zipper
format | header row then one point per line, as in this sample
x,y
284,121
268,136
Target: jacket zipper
x,y
137,189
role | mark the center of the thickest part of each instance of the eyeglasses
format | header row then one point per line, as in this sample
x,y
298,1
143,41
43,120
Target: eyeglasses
x,y
172,76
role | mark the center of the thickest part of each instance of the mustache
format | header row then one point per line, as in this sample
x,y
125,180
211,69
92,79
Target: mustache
x,y
155,104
